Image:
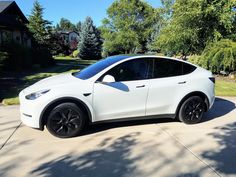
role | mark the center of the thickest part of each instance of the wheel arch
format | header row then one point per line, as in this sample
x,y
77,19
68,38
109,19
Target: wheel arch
x,y
46,111
195,93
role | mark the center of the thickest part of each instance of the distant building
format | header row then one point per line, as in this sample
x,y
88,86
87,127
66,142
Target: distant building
x,y
69,38
13,25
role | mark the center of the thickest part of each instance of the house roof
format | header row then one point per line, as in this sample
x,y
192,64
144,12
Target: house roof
x,y
11,7
4,5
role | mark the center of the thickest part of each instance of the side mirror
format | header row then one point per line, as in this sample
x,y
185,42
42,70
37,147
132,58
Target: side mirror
x,y
108,79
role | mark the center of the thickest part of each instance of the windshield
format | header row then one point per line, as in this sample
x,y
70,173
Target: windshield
x,y
94,69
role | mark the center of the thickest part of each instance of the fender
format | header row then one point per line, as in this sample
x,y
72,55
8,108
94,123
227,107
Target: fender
x,y
53,103
195,93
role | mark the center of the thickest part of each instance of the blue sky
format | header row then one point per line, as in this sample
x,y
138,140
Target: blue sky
x,y
74,10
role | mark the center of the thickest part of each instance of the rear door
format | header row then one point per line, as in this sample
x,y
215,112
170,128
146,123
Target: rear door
x,y
165,86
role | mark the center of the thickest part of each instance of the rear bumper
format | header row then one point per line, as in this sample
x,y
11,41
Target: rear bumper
x,y
211,102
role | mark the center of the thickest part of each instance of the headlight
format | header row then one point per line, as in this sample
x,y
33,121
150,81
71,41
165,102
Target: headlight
x,y
35,95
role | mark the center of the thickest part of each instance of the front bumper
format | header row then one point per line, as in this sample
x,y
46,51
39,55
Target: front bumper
x,y
30,111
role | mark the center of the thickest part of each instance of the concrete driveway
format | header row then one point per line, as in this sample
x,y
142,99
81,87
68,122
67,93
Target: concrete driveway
x,y
156,148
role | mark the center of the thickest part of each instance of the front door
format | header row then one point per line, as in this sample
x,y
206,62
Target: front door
x,y
126,97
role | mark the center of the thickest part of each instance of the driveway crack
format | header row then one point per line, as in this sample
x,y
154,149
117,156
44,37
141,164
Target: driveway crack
x,y
10,136
195,155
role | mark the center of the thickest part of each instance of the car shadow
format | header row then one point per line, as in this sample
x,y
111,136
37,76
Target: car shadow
x,y
220,108
95,128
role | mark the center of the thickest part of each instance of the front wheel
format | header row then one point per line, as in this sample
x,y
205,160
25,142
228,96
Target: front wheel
x,y
191,111
65,120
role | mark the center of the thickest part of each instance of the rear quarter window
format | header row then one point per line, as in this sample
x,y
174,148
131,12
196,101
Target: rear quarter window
x,y
187,68
169,68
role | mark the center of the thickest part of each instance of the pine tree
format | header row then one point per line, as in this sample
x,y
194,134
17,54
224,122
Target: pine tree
x,y
90,44
39,27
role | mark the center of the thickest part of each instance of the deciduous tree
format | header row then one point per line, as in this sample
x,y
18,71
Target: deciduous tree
x,y
195,23
127,27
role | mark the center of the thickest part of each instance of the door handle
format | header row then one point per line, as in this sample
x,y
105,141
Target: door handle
x,y
140,86
182,82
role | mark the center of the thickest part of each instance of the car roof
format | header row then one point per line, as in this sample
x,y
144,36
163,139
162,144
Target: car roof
x,y
133,56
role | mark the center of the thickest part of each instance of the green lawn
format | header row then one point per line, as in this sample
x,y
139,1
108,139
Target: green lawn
x,y
225,88
11,89
70,60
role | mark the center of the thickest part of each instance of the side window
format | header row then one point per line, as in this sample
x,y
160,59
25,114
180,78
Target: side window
x,y
167,68
187,68
135,69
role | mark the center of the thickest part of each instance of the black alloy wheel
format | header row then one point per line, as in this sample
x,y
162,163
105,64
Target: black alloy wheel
x,y
65,120
192,110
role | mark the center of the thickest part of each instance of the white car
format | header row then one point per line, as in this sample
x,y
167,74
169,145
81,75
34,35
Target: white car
x,y
118,88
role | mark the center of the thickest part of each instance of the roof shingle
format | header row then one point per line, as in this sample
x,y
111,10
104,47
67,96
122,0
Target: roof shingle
x,y
4,5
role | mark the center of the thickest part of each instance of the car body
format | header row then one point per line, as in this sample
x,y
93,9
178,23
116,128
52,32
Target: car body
x,y
119,88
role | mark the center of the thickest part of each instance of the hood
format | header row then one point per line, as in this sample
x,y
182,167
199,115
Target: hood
x,y
53,81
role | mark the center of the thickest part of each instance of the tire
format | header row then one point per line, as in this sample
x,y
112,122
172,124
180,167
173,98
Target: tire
x,y
192,110
66,120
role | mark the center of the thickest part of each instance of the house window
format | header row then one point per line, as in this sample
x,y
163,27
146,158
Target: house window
x,y
7,37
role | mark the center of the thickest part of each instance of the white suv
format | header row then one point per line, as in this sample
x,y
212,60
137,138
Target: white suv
x,y
118,88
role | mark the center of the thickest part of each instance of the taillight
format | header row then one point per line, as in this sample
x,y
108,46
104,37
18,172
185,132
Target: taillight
x,y
212,79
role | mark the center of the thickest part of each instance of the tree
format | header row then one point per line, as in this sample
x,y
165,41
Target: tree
x,y
90,44
40,28
219,56
78,27
196,23
66,25
162,18
127,27
42,33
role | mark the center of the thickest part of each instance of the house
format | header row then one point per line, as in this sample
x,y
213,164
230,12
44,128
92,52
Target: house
x,y
13,25
69,38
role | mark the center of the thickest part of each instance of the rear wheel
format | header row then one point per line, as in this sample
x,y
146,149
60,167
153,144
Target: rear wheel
x,y
66,120
192,110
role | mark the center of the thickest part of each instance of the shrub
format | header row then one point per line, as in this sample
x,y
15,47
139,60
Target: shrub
x,y
195,59
43,57
219,56
75,53
19,57
3,58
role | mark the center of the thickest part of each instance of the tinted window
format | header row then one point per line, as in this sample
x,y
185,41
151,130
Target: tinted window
x,y
187,68
136,69
168,68
92,70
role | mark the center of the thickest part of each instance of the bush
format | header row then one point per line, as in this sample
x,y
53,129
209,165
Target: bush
x,y
219,56
19,57
195,59
42,57
75,53
3,58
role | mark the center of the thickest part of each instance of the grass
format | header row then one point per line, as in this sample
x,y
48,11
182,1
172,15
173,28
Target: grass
x,y
68,59
11,101
18,81
225,88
